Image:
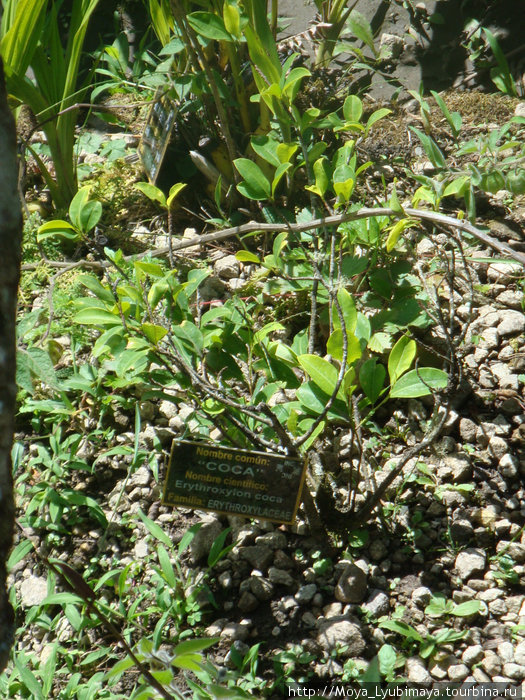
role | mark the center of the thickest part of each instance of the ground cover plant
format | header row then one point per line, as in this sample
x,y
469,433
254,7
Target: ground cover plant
x,y
361,311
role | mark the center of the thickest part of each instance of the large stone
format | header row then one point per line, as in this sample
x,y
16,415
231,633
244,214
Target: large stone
x,y
472,655
470,562
261,588
280,577
514,671
513,323
33,591
340,633
258,555
377,604
352,585
227,267
203,539
417,672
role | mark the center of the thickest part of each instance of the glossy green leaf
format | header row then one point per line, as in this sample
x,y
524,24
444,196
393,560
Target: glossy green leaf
x,y
232,19
334,346
395,233
372,378
401,357
175,190
419,382
97,317
322,372
281,170
256,185
154,193
352,108
247,256
59,228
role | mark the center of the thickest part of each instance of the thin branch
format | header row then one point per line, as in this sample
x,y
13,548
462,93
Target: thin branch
x,y
254,227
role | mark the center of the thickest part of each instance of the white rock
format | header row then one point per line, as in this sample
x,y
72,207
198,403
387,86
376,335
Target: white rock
x,y
513,323
378,604
421,596
458,672
491,663
168,409
141,477
416,671
140,550
335,632
514,671
227,267
469,562
33,591
504,272
391,46
498,446
519,654
519,110
505,651
472,655
509,465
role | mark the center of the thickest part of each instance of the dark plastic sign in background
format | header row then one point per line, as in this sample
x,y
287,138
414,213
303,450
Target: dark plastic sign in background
x,y
238,482
156,136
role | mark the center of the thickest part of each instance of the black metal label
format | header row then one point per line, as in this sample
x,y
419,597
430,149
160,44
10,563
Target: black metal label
x,y
238,482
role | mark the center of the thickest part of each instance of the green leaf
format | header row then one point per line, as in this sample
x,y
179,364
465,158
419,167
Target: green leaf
x,y
456,188
387,658
281,170
469,607
208,25
401,357
88,216
232,19
29,679
313,400
375,117
401,628
167,567
292,83
334,346
396,231
247,256
322,175
419,382
174,192
154,193
153,333
353,108
256,185
217,550
360,27
59,228
155,530
372,378
266,148
431,148
97,317
285,151
94,285
322,372
193,646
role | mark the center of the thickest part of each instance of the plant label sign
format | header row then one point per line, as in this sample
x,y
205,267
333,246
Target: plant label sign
x,y
156,136
238,482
